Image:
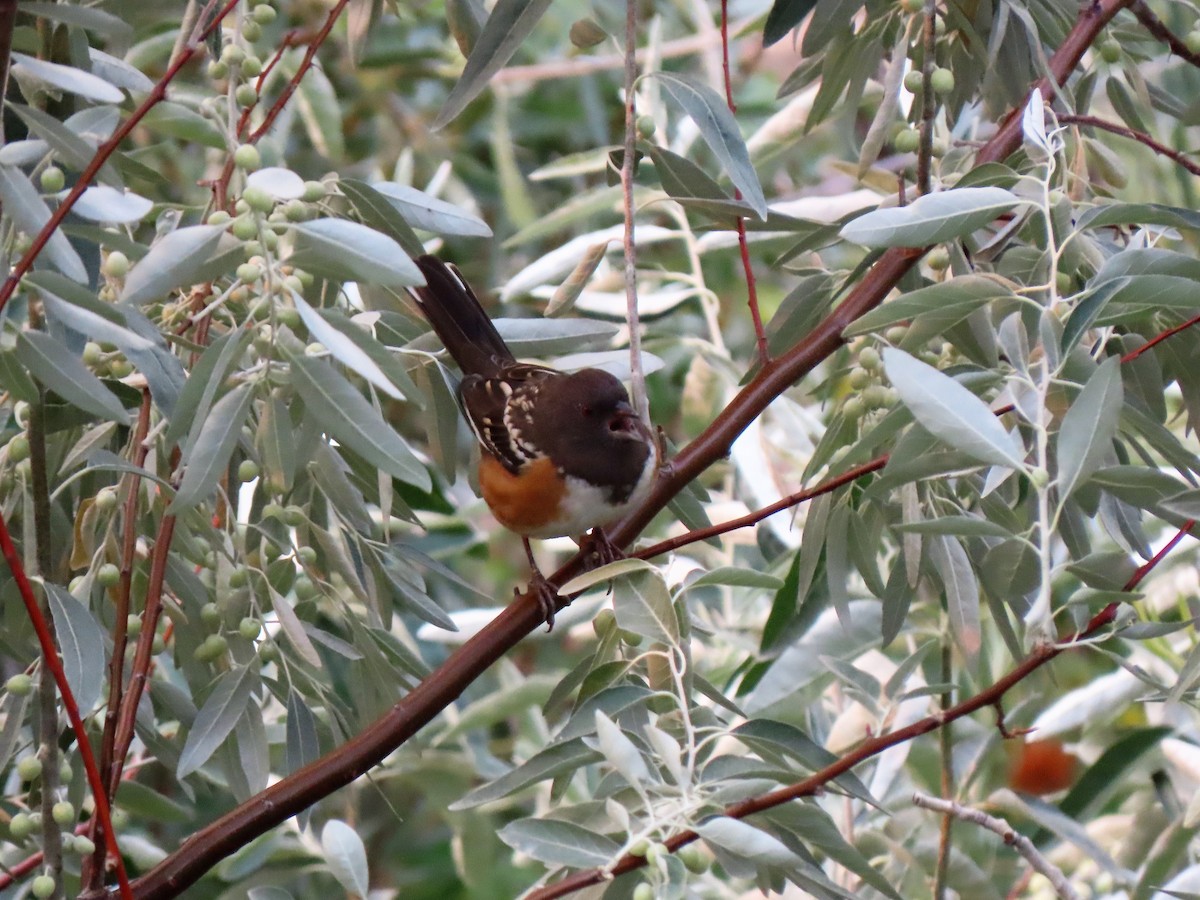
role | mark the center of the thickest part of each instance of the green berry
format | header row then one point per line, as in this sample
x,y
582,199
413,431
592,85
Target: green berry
x,y
586,33
43,886
693,858
218,70
249,628
251,30
233,54
29,768
914,81
258,199
294,516
1063,282
210,615
116,265
245,228
106,500
604,622
65,772
896,334
21,826
655,852
52,179
1192,41
639,848
268,652
239,578
249,272
20,684
938,258
631,638
304,588
247,470
313,191
265,14
858,378
645,126
108,575
251,67
133,625
868,358
158,645
120,368
1110,51
295,211
246,95
853,408
247,157
907,141
306,556
875,396
942,81
18,449
219,217
1040,477
83,845
938,147
64,813
289,316
644,891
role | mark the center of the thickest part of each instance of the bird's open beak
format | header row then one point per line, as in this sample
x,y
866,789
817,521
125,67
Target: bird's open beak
x,y
625,419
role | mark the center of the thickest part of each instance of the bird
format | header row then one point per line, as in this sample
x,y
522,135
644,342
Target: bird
x,y
560,453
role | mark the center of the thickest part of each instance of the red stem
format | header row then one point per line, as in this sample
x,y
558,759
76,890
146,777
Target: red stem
x,y
54,664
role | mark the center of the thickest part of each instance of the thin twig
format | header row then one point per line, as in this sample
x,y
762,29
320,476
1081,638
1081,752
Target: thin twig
x,y
946,752
760,334
1140,136
1007,833
1158,29
636,372
928,100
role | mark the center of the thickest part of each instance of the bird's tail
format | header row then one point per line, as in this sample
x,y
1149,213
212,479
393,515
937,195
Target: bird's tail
x,y
459,319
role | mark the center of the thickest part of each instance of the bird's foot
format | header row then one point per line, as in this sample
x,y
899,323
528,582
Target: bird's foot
x,y
595,545
545,594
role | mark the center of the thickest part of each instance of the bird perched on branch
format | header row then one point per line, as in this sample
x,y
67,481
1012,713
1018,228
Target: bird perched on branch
x,y
560,452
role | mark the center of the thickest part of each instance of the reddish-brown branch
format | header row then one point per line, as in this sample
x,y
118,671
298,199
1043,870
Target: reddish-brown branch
x,y
1152,563
760,333
1140,136
1159,338
294,793
1158,29
864,751
54,665
157,94
753,518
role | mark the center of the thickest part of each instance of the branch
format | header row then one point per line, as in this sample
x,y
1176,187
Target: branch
x,y
1008,834
294,793
628,163
1139,136
1158,29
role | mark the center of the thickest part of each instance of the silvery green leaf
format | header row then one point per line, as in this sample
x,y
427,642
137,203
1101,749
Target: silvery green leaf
x,y
278,182
65,78
950,412
347,856
337,248
745,840
173,261
930,219
207,456
1089,426
560,757
720,129
110,68
622,754
643,605
102,203
962,591
559,842
217,718
343,348
81,643
64,373
28,210
429,213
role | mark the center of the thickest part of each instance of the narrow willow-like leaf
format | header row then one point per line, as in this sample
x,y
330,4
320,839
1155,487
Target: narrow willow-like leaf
x,y
1089,426
217,718
81,643
209,455
64,373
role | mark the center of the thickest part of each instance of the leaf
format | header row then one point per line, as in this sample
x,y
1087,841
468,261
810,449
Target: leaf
x,y
174,260
65,78
344,349
508,25
962,591
429,213
950,412
622,753
278,182
964,526
783,17
208,455
177,121
346,855
217,718
29,212
378,212
721,134
303,745
559,843
348,251
737,577
945,303
643,605
73,149
560,757
110,205
64,373
88,17
347,416
930,219
1089,426
1185,503
1108,214
321,112
81,644
746,841
291,625
206,379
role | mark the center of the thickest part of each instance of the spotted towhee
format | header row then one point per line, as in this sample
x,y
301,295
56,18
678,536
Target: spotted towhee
x,y
560,453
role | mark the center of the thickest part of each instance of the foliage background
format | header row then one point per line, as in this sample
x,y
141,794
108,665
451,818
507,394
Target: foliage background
x,y
232,448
